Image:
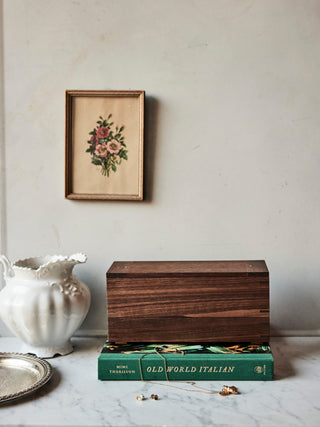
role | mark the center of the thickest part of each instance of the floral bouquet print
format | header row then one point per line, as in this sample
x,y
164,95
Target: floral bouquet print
x,y
107,147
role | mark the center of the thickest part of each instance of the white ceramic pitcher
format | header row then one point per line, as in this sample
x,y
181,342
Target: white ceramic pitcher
x,y
43,303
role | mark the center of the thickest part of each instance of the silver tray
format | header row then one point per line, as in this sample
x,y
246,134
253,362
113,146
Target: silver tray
x,y
21,374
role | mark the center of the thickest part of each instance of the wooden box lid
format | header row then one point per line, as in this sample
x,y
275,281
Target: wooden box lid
x,y
188,301
187,268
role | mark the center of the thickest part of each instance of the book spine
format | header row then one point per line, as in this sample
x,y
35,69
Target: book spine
x,y
253,368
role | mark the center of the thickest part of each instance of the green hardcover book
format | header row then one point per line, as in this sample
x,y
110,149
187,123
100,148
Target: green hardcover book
x,y
185,362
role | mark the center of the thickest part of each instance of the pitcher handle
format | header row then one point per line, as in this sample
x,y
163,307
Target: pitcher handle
x,y
7,267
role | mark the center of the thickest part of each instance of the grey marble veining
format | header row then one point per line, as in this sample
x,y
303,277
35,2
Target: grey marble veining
x,y
74,396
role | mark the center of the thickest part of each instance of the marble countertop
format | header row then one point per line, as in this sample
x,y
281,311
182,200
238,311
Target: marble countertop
x,y
74,396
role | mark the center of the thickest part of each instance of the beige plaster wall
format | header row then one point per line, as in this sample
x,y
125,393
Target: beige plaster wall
x,y
232,137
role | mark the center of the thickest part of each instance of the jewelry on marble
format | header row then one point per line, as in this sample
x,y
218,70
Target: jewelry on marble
x,y
141,397
154,397
226,390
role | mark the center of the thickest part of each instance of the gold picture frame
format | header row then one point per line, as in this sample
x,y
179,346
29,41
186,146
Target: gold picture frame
x,y
104,144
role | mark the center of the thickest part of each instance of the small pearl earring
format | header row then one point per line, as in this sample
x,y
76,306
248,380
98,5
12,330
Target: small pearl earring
x,y
140,397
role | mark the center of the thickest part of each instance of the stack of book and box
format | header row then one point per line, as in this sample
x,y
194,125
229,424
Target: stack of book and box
x,y
187,320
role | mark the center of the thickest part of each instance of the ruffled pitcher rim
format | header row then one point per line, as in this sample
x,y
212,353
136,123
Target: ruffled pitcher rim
x,y
44,262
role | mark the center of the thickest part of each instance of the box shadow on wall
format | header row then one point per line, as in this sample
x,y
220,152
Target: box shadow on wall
x,y
297,322
288,352
296,309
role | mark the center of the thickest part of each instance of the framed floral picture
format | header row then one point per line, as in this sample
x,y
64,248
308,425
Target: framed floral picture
x,y
104,145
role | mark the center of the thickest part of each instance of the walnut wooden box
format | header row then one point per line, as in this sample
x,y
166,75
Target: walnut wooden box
x,y
188,301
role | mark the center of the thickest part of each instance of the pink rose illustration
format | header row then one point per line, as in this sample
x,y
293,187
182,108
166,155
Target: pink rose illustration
x,y
101,150
114,146
107,146
103,132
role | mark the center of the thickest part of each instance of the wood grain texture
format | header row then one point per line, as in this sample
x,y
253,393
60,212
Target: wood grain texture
x,y
188,301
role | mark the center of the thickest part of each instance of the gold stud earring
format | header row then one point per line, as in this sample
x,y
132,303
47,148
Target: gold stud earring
x,y
140,397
